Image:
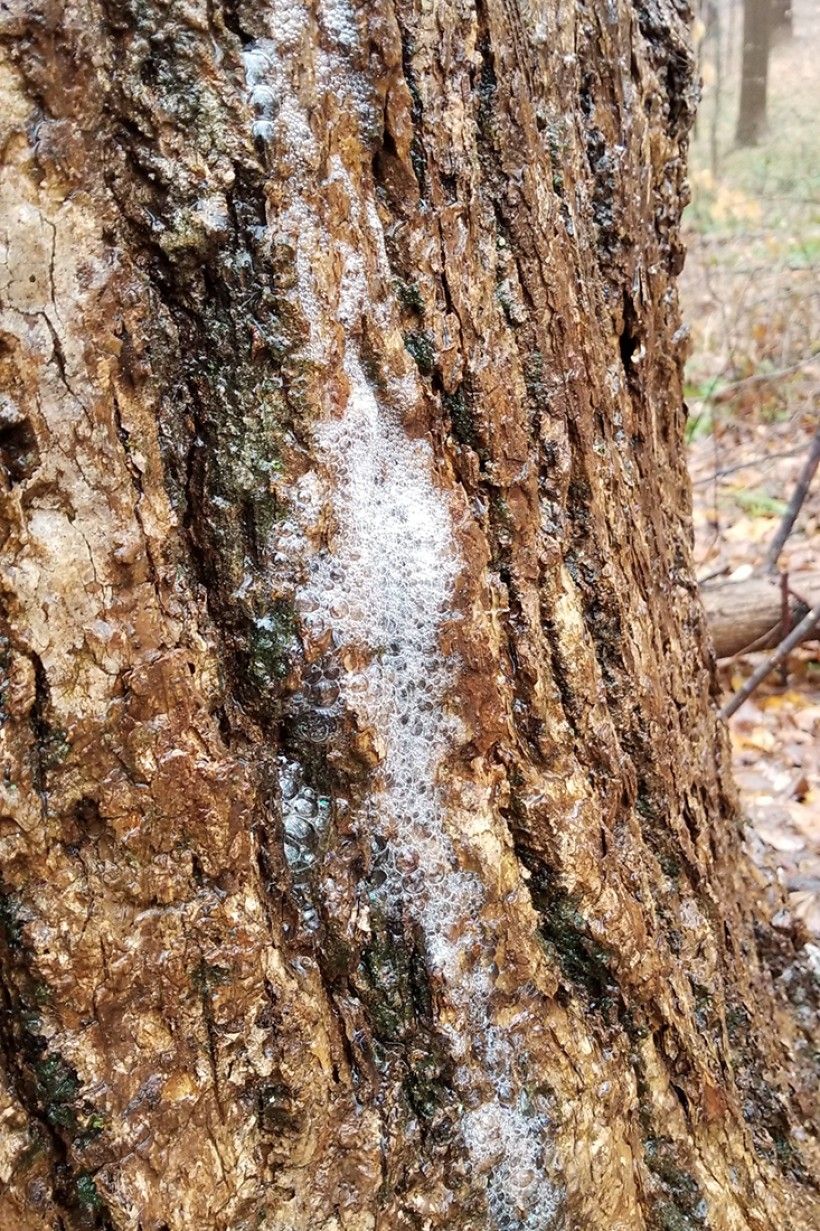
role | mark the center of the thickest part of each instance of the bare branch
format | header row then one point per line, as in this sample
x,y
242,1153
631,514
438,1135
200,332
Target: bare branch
x,y
798,634
795,504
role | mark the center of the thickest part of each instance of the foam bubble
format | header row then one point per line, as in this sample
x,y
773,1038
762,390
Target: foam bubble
x,y
384,585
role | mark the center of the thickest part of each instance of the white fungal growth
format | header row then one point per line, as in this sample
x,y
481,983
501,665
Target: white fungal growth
x,y
379,594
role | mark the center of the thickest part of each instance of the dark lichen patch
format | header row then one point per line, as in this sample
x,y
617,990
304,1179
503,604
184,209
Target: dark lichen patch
x,y
276,1108
224,334
706,1013
671,56
418,158
502,529
337,956
12,918
420,345
667,1216
486,87
738,1022
507,304
764,1109
582,959
392,979
87,1197
653,813
420,985
422,1085
206,977
385,981
79,1194
603,621
670,865
392,982
603,166
55,748
461,419
272,644
534,381
428,1086
409,296
57,1088
680,1205
584,962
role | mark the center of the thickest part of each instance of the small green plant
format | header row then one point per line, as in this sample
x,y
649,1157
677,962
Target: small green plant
x,y
759,503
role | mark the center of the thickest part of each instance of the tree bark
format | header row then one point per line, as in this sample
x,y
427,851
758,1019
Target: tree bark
x,y
754,72
370,854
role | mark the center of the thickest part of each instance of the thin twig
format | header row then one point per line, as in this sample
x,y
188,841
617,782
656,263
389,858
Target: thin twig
x,y
799,633
759,643
785,619
795,504
755,461
718,572
760,378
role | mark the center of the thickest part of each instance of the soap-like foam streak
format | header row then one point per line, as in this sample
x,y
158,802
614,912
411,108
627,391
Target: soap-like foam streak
x,y
385,585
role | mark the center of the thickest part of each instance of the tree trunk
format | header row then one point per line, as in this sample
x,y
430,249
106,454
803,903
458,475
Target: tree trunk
x,y
370,854
782,18
754,72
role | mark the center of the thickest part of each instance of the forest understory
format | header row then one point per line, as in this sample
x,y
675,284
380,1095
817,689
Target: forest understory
x,y
750,293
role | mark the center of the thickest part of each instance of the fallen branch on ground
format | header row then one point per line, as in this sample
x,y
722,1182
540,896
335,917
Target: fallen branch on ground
x,y
748,615
798,634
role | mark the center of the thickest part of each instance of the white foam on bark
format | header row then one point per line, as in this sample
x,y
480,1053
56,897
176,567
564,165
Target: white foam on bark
x,y
380,593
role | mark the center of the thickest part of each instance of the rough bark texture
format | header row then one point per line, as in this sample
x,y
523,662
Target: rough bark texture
x,y
370,855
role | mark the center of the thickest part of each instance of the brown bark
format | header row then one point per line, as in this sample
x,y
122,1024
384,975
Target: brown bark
x,y
745,615
370,854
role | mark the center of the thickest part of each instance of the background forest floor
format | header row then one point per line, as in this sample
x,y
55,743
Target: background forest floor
x,y
750,295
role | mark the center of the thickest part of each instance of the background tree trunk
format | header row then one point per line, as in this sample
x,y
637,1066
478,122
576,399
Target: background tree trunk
x,y
782,18
370,854
754,72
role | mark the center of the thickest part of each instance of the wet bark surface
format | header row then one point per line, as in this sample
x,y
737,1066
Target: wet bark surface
x,y
370,855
